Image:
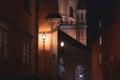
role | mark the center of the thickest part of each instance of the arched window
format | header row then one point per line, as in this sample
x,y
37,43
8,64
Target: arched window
x,y
71,12
61,70
79,73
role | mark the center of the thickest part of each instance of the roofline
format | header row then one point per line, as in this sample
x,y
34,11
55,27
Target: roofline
x,y
64,37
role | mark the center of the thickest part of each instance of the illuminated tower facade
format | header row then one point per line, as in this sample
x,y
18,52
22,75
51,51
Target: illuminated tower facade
x,y
81,25
73,14
67,9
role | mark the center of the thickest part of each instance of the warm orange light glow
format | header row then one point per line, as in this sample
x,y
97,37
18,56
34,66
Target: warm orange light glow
x,y
44,27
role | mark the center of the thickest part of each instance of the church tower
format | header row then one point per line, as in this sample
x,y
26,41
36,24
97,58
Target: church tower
x,y
73,14
81,25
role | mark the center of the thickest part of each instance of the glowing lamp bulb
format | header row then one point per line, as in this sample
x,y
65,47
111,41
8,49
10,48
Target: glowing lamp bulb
x,y
43,36
62,44
81,75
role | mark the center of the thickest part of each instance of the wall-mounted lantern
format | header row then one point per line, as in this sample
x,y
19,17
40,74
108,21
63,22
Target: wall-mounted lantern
x,y
62,44
43,37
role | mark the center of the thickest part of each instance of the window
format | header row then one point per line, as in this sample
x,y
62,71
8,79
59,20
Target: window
x,y
79,73
78,16
71,22
61,70
100,58
82,16
4,42
26,51
100,40
100,23
71,12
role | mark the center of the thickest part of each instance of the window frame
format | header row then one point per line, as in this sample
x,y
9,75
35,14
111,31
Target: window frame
x,y
26,54
4,29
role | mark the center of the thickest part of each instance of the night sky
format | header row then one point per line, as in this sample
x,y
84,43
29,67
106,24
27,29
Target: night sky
x,y
96,10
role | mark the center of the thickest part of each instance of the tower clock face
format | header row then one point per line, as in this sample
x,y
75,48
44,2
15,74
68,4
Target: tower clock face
x,y
61,70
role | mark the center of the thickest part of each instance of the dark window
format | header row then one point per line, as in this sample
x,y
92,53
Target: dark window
x,y
26,58
71,22
71,12
4,43
78,17
81,15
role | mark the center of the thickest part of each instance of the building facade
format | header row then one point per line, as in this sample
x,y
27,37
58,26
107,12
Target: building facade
x,y
17,39
104,43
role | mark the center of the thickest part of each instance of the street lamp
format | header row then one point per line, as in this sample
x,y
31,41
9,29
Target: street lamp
x,y
43,38
62,44
61,47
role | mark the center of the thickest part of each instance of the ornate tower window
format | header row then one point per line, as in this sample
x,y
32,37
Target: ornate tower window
x,y
71,12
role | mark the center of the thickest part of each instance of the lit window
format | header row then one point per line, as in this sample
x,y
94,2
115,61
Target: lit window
x,y
79,73
4,42
100,23
100,40
26,51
